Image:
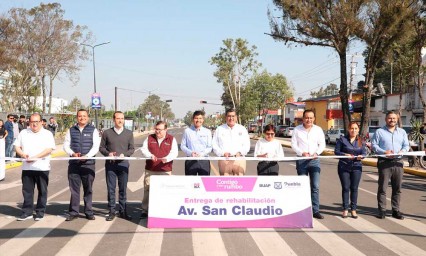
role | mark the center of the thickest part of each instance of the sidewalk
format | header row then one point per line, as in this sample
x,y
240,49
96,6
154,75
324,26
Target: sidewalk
x,y
59,151
366,161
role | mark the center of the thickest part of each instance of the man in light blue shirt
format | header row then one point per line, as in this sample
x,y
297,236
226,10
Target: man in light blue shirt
x,y
390,140
197,142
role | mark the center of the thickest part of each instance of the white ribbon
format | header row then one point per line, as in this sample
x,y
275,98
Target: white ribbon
x,y
281,159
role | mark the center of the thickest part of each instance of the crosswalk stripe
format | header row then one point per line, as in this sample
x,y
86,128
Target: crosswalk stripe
x,y
146,241
331,242
411,224
208,242
30,236
4,221
388,240
269,242
87,238
372,193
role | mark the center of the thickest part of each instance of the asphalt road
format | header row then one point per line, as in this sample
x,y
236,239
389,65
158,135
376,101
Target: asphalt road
x,y
332,236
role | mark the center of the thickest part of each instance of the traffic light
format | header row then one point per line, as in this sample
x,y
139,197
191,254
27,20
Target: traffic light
x,y
203,101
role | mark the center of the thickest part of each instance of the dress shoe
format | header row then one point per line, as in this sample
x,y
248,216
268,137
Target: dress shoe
x,y
381,215
144,215
125,216
110,216
354,215
345,214
90,217
71,217
318,215
397,215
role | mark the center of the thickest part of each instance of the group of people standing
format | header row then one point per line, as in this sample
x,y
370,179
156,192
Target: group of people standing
x,y
230,140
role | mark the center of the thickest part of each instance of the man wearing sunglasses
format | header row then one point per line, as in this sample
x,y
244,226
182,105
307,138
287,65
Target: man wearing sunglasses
x,y
8,125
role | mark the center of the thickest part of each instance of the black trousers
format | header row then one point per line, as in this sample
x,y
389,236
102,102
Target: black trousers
x,y
29,180
114,172
268,168
197,167
393,170
78,175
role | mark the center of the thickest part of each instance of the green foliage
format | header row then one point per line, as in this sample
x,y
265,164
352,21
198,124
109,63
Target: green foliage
x,y
235,63
415,133
187,119
157,107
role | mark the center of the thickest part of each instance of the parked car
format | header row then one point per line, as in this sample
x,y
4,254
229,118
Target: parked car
x,y
288,132
252,128
334,135
279,130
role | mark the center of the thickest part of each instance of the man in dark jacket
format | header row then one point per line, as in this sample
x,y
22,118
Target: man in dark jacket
x,y
82,140
117,141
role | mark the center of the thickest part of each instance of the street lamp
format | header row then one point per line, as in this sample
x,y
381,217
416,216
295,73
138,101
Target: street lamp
x,y
161,109
94,73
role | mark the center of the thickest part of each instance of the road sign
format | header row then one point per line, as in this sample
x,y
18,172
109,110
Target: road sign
x,y
96,101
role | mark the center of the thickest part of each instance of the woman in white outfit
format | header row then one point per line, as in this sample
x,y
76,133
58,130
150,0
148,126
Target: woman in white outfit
x,y
268,147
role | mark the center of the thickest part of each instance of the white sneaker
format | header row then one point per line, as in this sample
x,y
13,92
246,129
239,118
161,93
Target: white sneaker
x,y
38,217
24,217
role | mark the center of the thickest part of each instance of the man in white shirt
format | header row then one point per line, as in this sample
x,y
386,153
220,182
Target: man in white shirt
x,y
81,140
162,148
308,140
34,143
231,140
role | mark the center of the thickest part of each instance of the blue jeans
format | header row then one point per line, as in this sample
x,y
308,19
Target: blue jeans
x,y
350,182
113,173
9,147
311,168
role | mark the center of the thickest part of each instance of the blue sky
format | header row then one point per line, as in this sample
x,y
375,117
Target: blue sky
x,y
164,47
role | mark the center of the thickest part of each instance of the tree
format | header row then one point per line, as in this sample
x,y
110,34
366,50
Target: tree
x,y
74,105
46,43
187,119
385,22
265,91
234,63
157,107
320,23
330,90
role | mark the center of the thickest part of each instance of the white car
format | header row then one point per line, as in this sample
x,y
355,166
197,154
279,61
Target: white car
x,y
334,135
288,132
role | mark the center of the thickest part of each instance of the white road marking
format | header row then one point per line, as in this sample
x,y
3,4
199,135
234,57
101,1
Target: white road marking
x,y
207,242
146,241
135,186
331,242
411,224
386,239
269,242
87,237
30,236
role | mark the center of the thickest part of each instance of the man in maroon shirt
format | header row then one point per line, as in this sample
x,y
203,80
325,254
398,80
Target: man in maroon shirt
x,y
162,148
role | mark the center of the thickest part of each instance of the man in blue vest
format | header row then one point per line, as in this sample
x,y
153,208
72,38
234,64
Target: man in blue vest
x,y
82,140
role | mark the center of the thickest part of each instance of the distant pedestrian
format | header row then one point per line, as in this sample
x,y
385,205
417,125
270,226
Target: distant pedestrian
x,y
22,123
3,134
44,123
34,143
8,125
81,140
350,169
117,141
389,140
268,147
52,126
197,142
15,131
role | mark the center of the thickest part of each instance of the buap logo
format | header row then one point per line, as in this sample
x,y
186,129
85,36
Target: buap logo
x,y
264,185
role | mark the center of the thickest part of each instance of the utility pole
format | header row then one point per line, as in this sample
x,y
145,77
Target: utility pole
x,y
352,77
